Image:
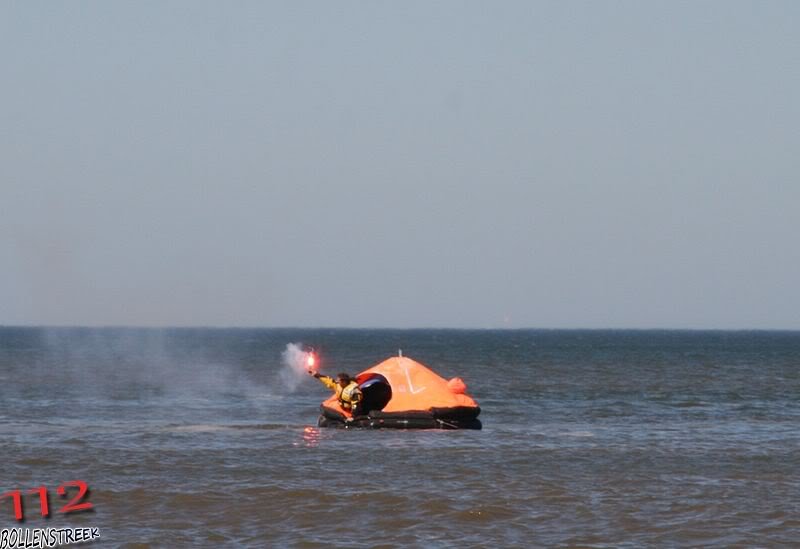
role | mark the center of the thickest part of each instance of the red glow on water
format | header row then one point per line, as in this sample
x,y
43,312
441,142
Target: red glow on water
x,y
311,436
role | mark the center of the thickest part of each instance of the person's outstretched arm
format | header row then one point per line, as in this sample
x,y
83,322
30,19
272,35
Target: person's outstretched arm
x,y
327,381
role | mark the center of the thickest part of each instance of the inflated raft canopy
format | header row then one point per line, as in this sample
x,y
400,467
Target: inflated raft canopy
x,y
402,393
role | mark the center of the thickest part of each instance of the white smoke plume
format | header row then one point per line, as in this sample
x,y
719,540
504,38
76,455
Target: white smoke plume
x,y
295,366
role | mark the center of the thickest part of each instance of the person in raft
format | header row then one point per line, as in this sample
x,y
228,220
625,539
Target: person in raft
x,y
347,391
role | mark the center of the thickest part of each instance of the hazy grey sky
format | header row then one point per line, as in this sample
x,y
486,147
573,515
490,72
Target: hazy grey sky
x,y
408,164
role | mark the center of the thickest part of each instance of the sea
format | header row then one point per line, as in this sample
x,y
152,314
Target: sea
x,y
591,438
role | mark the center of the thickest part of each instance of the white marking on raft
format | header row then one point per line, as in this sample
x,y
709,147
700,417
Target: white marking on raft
x,y
410,385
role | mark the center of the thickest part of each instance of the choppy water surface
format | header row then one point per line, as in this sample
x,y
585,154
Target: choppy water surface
x,y
591,438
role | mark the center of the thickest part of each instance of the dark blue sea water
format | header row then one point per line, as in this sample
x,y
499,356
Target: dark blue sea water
x,y
591,438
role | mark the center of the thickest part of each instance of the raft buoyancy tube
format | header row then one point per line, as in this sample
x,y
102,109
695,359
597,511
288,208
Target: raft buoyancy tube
x,y
457,412
332,414
365,422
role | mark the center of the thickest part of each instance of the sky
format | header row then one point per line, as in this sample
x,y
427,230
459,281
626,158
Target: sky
x,y
400,164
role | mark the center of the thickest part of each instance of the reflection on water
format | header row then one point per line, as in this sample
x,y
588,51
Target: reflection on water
x,y
311,436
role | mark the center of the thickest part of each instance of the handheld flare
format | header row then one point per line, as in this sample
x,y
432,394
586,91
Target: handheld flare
x,y
311,362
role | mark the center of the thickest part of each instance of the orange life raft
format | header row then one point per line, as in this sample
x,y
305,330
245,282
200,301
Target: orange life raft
x,y
402,393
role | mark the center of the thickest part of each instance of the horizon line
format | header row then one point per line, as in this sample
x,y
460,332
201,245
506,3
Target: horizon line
x,y
391,328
